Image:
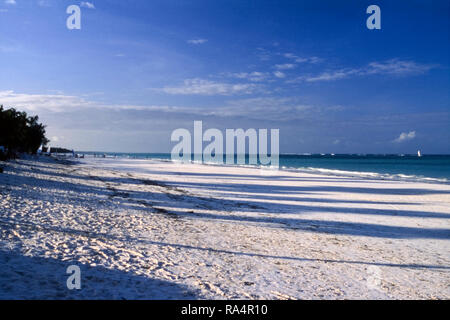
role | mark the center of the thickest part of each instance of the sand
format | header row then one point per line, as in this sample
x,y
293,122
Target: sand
x,y
141,229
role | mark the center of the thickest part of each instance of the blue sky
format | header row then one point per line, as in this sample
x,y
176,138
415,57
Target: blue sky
x,y
139,69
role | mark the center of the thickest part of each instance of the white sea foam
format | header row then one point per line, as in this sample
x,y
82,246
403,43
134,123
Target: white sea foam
x,y
368,175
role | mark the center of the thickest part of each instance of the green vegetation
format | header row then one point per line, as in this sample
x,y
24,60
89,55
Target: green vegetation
x,y
20,133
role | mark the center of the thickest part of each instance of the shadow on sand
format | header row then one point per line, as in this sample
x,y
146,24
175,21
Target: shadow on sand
x,y
24,277
105,283
256,205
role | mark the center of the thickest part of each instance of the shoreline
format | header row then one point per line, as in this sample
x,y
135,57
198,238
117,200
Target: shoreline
x,y
172,231
372,175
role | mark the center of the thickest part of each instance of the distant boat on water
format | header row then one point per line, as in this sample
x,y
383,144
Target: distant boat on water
x,y
418,153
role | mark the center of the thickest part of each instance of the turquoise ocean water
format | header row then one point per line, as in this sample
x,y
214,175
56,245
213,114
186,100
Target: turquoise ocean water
x,y
433,168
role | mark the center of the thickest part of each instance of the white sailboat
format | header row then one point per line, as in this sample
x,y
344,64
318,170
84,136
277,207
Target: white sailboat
x,y
418,153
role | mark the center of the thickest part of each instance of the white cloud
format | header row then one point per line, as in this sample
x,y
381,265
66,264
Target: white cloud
x,y
87,4
335,75
251,76
206,87
390,67
285,66
10,2
398,67
279,74
197,41
298,59
34,102
406,136
265,108
60,103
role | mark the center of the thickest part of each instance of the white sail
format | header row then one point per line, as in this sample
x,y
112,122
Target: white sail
x,y
418,153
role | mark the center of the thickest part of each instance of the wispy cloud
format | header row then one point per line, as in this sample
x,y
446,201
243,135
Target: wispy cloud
x,y
60,103
10,2
334,75
87,4
404,136
35,102
298,59
285,66
198,86
398,67
265,108
255,76
394,67
197,41
279,74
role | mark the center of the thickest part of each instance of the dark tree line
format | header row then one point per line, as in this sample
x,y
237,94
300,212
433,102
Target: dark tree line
x,y
20,132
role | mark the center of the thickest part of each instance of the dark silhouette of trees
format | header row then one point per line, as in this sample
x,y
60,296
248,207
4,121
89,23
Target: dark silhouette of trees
x,y
20,132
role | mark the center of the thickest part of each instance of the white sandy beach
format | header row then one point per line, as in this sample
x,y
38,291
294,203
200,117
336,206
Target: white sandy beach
x,y
143,229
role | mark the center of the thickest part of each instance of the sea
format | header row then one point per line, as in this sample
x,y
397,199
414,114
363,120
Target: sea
x,y
427,168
